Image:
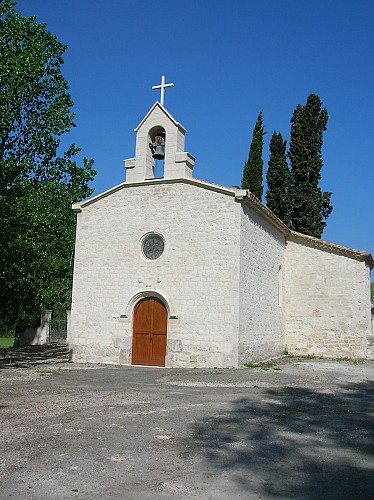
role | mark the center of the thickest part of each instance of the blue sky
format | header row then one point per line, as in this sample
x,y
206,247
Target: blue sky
x,y
228,60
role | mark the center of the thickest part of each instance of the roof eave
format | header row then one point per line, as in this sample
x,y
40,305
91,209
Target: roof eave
x,y
245,196
360,255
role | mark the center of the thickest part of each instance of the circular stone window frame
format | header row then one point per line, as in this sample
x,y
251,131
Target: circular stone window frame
x,y
144,238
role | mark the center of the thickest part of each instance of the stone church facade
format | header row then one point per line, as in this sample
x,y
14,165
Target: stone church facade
x,y
180,272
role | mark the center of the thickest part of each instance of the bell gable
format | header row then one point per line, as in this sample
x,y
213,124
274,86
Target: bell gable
x,y
159,137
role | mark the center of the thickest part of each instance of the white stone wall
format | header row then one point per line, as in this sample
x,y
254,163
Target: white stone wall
x,y
261,269
327,303
198,273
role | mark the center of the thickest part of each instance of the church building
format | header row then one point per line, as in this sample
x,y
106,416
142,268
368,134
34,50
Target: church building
x,y
180,272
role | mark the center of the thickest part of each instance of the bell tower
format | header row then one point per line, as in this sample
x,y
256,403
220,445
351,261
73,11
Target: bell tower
x,y
159,137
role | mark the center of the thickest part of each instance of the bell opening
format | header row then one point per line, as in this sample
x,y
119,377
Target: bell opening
x,y
157,145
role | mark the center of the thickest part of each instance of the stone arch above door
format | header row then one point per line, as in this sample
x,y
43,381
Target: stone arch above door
x,y
149,293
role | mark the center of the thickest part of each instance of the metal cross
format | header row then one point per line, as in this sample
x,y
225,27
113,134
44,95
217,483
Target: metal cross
x,y
162,87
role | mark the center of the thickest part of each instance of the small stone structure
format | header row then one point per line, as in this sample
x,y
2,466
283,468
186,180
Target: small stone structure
x,y
38,335
34,335
236,283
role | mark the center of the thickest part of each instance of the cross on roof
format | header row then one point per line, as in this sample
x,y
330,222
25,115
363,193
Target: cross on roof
x,y
162,87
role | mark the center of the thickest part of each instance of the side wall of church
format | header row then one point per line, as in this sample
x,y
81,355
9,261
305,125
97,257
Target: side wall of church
x,y
197,275
327,303
261,270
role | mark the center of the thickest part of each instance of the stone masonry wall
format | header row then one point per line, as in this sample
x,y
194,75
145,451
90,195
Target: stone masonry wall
x,y
327,303
261,270
197,275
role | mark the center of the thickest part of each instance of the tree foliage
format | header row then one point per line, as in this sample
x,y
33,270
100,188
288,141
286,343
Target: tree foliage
x,y
279,179
310,206
253,167
37,184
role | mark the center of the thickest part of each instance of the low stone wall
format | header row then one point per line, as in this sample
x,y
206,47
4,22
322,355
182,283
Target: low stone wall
x,y
34,335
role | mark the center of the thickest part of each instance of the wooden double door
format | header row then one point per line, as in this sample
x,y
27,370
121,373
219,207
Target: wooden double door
x,y
149,333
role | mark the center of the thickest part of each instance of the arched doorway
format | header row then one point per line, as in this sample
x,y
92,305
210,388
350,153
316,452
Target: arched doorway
x,y
149,333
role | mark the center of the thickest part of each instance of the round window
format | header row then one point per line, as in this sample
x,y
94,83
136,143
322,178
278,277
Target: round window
x,y
153,246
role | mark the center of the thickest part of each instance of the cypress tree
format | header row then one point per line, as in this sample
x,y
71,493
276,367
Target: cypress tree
x,y
252,173
310,206
278,179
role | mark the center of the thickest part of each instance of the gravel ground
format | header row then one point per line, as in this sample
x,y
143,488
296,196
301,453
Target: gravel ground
x,y
300,429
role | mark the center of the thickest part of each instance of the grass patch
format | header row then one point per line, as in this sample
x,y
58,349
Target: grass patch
x,y
6,342
265,365
355,361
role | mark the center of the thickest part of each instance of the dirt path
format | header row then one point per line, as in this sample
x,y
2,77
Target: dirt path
x,y
302,429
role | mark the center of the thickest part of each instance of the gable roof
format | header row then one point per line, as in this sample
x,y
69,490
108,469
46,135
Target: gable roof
x,y
166,112
246,197
77,207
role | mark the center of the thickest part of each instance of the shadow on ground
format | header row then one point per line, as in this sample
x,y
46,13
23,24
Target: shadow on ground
x,y
24,357
295,443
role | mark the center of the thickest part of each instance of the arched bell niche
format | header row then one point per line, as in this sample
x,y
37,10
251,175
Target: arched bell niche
x,y
157,149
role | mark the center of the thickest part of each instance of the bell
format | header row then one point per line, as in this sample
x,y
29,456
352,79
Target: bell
x,y
159,153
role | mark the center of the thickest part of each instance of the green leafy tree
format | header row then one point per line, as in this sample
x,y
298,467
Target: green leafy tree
x,y
278,179
310,206
252,173
37,184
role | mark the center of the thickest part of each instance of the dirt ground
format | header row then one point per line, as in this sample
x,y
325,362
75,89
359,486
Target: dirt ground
x,y
301,429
